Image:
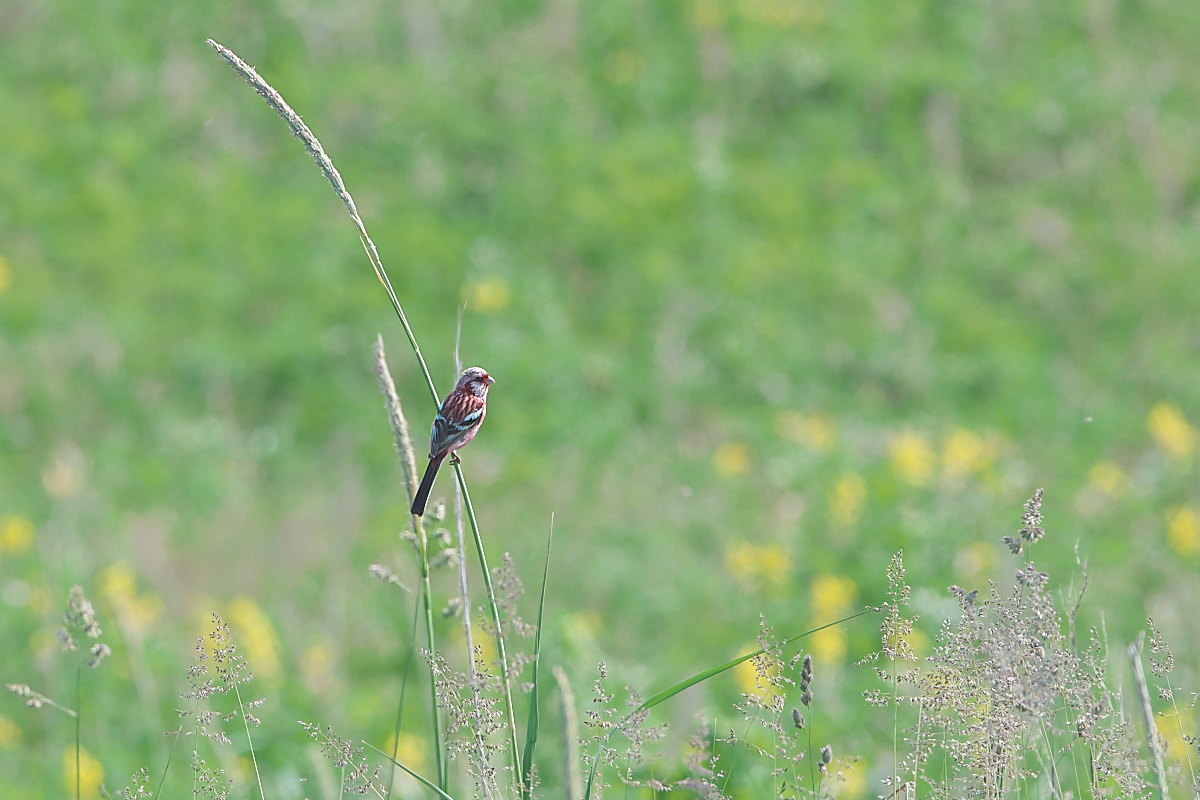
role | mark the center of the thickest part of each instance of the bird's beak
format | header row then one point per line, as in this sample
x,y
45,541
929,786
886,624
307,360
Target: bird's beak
x,y
490,380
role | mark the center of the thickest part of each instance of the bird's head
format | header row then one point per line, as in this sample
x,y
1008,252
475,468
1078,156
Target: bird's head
x,y
475,380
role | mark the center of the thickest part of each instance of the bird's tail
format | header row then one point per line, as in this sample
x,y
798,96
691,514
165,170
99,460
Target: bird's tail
x,y
418,506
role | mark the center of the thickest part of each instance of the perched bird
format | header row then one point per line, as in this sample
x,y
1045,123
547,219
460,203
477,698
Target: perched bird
x,y
457,422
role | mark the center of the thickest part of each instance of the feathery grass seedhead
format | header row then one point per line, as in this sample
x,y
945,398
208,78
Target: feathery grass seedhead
x,y
208,781
98,653
80,617
218,668
1031,530
396,418
359,776
139,787
387,576
1004,696
806,677
1162,660
36,699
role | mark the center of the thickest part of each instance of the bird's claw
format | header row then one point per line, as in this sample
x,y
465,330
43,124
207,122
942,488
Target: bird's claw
x,y
454,459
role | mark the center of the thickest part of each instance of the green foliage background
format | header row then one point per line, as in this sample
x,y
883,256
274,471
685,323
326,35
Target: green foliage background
x,y
676,224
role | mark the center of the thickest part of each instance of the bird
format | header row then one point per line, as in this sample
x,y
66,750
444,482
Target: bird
x,y
457,421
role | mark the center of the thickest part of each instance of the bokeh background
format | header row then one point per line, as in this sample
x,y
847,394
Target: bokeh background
x,y
772,289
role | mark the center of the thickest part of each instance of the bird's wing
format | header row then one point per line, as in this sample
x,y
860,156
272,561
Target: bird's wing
x,y
459,414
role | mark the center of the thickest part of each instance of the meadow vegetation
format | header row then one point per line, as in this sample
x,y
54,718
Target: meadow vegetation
x,y
773,291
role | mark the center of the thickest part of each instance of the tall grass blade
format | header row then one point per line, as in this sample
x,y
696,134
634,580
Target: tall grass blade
x,y
1143,696
573,779
533,723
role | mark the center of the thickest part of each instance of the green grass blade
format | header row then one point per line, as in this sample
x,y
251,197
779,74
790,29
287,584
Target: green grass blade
x,y
428,784
687,683
534,721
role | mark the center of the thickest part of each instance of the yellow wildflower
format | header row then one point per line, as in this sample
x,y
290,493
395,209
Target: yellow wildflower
x,y
756,676
316,665
817,431
1109,478
1175,730
1171,430
5,275
847,498
975,559
16,535
912,458
832,596
118,585
623,66
829,646
731,459
10,734
63,476
410,750
783,13
484,642
754,563
1183,530
918,643
853,781
489,295
90,773
40,600
966,452
706,15
254,632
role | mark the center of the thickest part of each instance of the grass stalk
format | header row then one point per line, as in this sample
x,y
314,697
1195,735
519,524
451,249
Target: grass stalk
x,y
162,781
403,441
574,780
249,740
533,723
408,662
78,716
301,131
1143,696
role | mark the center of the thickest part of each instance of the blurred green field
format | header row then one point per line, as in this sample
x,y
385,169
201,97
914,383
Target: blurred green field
x,y
771,288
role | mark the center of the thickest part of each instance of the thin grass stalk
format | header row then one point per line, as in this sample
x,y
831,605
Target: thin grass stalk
x,y
459,514
574,780
1179,726
249,740
427,595
301,131
1055,788
533,723
408,662
403,441
1139,678
78,716
162,781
